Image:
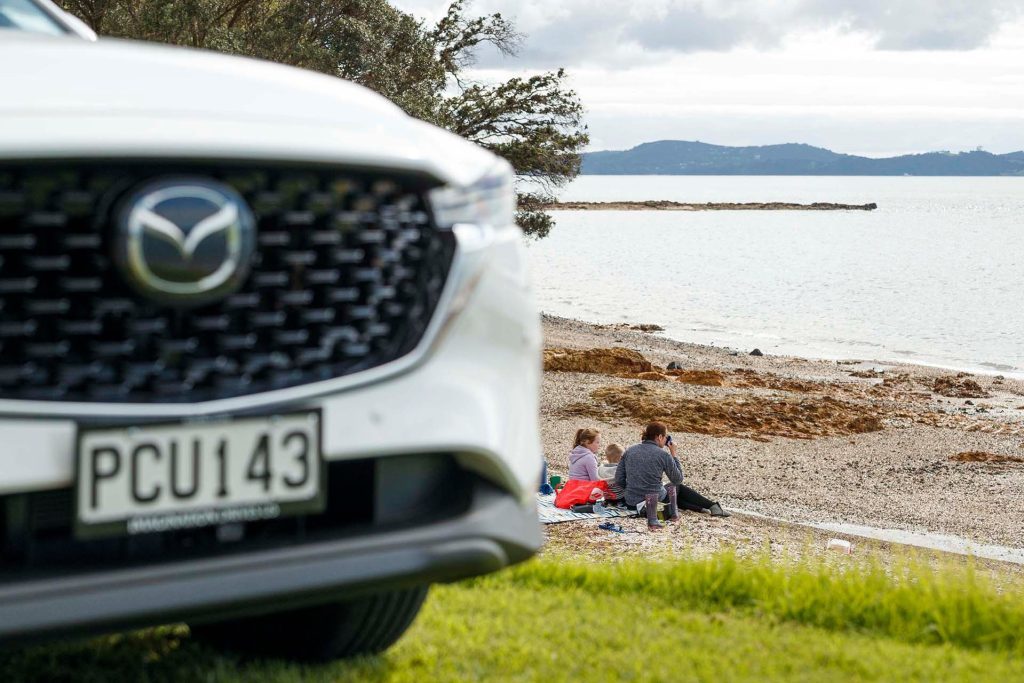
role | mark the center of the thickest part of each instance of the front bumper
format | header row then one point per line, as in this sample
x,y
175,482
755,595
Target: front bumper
x,y
496,531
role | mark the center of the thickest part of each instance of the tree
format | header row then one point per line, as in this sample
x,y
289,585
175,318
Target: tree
x,y
536,122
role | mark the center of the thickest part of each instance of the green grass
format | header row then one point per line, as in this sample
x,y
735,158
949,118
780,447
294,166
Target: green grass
x,y
720,619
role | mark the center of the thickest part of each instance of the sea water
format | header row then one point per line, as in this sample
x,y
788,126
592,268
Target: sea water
x,y
935,275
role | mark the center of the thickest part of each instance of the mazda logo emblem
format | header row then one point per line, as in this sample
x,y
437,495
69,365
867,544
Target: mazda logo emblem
x,y
185,241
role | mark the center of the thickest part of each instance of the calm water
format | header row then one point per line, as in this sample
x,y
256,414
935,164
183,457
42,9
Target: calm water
x,y
935,275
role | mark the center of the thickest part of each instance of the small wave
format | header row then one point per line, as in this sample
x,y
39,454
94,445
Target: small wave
x,y
1002,367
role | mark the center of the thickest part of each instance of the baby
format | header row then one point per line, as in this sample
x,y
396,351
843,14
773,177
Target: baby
x,y
606,470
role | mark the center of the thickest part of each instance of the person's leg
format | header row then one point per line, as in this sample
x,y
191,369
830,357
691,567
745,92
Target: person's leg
x,y
672,509
651,500
691,500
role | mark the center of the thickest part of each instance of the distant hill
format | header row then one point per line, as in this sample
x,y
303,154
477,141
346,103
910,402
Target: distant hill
x,y
678,157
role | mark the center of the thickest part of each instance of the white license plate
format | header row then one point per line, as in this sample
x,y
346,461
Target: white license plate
x,y
186,475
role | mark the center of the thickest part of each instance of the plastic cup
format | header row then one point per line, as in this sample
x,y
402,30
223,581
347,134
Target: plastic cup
x,y
838,545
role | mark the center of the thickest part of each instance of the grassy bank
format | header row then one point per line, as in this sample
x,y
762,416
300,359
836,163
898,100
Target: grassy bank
x,y
708,620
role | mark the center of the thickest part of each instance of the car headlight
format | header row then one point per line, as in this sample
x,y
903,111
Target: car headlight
x,y
489,203
477,214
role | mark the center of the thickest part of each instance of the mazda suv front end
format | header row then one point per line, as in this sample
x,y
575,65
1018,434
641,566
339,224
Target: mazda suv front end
x,y
269,360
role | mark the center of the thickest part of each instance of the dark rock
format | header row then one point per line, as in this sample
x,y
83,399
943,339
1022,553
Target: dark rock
x,y
756,352
647,327
675,365
958,387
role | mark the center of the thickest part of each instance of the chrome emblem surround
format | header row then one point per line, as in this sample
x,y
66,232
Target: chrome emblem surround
x,y
200,230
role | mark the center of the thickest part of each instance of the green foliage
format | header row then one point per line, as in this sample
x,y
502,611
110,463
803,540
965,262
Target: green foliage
x,y
536,123
714,619
531,216
529,121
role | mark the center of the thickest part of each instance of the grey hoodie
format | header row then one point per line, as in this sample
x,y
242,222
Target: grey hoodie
x,y
582,464
641,469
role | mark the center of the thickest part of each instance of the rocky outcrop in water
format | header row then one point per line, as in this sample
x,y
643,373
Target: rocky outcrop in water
x,y
662,205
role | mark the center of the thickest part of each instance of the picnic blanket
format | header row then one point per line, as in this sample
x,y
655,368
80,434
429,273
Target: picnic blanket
x,y
549,514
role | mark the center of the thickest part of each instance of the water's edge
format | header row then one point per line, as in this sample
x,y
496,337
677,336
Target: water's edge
x,y
931,278
811,354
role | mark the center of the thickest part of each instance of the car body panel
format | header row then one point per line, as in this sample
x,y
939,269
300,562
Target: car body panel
x,y
169,102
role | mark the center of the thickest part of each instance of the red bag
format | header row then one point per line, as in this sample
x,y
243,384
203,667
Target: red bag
x,y
577,491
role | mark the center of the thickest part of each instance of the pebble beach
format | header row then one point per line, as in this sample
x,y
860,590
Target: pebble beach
x,y
791,440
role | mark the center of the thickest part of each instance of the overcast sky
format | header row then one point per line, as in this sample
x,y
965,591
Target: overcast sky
x,y
872,77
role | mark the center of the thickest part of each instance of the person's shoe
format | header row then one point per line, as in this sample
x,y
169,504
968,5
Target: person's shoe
x,y
717,511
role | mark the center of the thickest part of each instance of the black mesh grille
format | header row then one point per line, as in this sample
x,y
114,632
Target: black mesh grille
x,y
347,273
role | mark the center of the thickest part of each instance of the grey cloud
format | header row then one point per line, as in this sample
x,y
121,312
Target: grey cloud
x,y
917,24
692,28
620,34
612,34
591,33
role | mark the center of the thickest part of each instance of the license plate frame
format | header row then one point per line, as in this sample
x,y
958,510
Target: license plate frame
x,y
309,498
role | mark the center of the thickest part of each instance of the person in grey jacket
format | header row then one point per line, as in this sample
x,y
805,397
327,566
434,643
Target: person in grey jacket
x,y
640,473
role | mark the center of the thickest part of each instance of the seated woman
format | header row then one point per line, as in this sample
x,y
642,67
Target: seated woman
x,y
639,475
583,456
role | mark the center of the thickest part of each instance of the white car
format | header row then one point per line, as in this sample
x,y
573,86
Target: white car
x,y
269,359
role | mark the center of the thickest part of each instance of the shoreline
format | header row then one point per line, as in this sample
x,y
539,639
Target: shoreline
x,y
813,353
976,368
854,446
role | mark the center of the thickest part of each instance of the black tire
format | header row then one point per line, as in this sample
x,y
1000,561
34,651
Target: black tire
x,y
336,630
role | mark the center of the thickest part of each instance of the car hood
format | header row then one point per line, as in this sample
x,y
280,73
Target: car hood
x,y
68,97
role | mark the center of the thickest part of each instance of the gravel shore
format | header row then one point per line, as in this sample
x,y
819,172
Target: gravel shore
x,y
878,444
